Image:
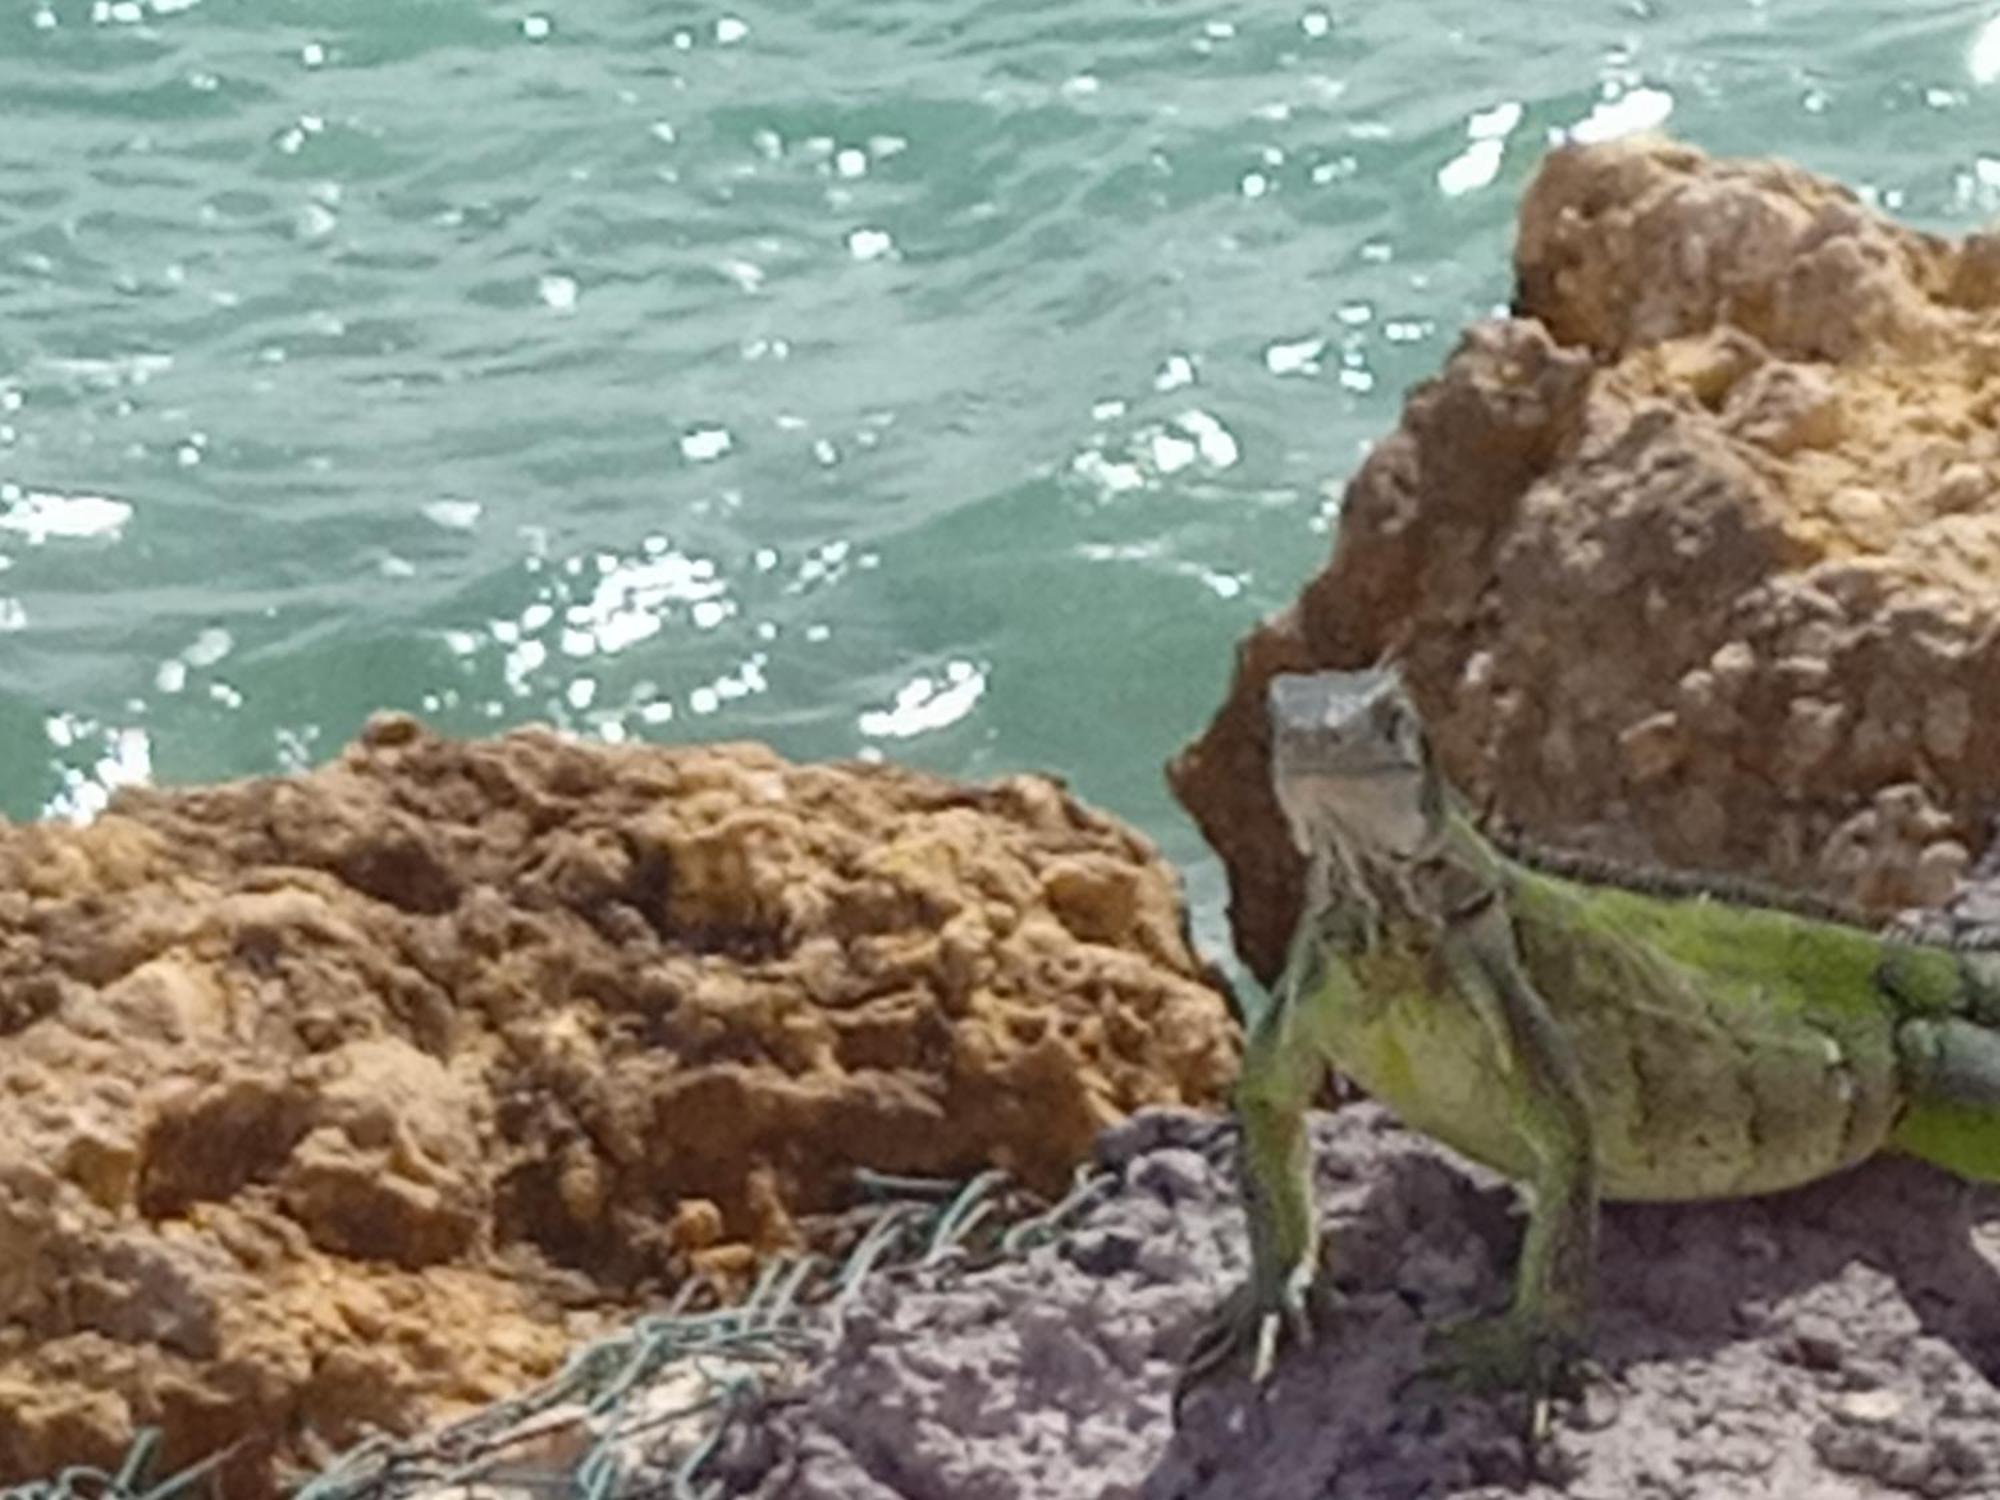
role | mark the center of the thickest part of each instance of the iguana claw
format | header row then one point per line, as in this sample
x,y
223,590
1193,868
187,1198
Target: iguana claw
x,y
1251,1320
1507,1353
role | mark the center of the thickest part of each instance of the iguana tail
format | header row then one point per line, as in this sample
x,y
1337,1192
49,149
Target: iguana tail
x,y
1951,1070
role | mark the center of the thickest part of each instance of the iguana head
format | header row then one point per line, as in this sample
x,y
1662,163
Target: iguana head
x,y
1349,761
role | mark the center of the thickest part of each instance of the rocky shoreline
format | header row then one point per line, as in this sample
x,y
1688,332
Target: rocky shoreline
x,y
356,1102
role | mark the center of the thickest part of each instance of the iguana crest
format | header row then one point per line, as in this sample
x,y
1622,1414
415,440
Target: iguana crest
x,y
1348,745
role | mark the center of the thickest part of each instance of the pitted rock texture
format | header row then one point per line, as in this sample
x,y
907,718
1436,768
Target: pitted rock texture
x,y
1694,559
1835,1343
357,1098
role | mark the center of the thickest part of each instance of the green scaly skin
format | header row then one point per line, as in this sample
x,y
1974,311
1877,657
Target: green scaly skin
x,y
1589,1040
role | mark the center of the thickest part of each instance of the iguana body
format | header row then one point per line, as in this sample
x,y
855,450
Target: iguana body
x,y
1591,1040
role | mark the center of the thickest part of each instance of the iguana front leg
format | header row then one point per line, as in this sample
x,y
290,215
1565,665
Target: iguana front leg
x,y
1284,1064
1528,1346
1286,1060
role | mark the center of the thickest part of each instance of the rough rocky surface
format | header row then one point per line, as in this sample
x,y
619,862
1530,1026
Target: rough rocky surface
x,y
356,1099
1695,558
1825,1345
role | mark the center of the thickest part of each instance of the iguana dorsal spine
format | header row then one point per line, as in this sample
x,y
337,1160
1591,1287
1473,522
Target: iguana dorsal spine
x,y
1650,880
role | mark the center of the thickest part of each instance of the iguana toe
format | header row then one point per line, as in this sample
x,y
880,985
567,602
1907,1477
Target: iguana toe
x,y
1508,1353
1247,1322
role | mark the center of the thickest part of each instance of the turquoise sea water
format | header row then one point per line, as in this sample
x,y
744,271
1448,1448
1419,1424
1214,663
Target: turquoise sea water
x,y
954,380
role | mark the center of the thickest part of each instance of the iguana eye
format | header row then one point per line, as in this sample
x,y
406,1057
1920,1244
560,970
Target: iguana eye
x,y
1400,726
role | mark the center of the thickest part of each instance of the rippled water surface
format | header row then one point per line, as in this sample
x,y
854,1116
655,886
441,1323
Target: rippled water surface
x,y
949,379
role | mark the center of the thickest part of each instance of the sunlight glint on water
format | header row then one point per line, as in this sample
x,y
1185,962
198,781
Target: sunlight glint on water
x,y
947,381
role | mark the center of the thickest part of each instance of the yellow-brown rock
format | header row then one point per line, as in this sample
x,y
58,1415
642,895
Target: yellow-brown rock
x,y
1695,558
354,1099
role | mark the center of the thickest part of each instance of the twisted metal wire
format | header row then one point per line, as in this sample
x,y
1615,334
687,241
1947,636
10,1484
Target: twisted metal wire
x,y
912,1222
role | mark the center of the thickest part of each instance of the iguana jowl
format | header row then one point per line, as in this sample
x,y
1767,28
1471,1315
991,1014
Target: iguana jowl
x,y
1644,1040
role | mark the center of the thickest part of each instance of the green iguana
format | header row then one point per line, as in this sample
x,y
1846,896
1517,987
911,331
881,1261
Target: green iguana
x,y
1660,1038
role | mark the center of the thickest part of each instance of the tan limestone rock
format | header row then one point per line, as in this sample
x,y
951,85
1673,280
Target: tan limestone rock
x,y
354,1100
1691,558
